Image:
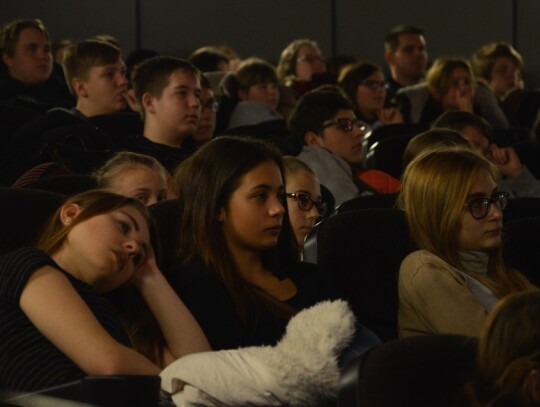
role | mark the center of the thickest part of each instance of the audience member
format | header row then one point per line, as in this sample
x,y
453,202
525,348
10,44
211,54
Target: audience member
x,y
239,272
518,180
302,67
96,75
454,211
29,79
450,85
500,67
206,127
95,243
366,88
209,59
406,56
134,175
58,48
304,202
167,90
508,361
325,122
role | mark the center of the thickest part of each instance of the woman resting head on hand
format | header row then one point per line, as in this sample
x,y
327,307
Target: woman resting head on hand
x,y
62,325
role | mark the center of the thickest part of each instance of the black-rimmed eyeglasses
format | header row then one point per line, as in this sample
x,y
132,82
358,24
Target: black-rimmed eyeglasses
x,y
374,85
306,202
346,125
480,207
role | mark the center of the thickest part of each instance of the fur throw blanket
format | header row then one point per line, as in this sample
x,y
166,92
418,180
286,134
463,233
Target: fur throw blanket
x,y
301,370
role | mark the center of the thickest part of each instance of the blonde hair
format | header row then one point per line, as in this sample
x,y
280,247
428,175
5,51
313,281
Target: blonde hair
x,y
286,69
439,76
434,191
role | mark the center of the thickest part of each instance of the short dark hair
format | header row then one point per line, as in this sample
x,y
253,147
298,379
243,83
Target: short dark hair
x,y
314,108
354,75
391,41
80,57
152,75
11,31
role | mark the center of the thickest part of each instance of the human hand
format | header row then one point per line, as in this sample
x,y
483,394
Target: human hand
x,y
464,99
507,161
146,271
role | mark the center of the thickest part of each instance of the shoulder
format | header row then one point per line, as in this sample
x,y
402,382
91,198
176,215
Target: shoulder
x,y
419,262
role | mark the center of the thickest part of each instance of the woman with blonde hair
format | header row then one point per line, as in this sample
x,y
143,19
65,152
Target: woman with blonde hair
x,y
454,212
450,85
508,358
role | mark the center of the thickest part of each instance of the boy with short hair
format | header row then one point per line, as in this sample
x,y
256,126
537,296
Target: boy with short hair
x,y
167,90
95,75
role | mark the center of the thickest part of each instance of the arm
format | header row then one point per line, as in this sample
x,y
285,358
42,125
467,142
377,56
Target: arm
x,y
65,320
180,329
433,299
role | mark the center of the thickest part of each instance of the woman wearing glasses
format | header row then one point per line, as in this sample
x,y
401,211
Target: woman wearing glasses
x,y
303,193
454,212
366,87
239,266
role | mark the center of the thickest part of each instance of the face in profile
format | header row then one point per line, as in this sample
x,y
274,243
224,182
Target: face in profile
x,y
481,232
252,219
105,250
342,135
106,88
207,120
141,182
31,62
306,190
309,62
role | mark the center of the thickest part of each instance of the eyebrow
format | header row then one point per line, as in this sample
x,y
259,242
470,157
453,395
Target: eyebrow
x,y
481,194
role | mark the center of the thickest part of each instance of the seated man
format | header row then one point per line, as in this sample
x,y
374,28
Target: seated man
x,y
96,75
332,135
168,91
29,80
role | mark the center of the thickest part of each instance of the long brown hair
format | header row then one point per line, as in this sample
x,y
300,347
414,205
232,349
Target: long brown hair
x,y
433,194
204,184
142,328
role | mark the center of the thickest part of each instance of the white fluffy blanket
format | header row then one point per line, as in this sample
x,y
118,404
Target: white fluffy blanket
x,y
301,370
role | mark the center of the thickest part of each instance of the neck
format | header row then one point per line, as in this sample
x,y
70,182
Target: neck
x,y
67,262
156,133
90,110
249,264
403,80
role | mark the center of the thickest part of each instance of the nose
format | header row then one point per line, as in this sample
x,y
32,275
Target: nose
x,y
313,214
194,101
132,247
122,79
276,207
495,213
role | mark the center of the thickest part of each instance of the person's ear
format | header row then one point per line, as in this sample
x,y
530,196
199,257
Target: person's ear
x,y
312,139
79,87
148,102
68,213
8,61
389,57
532,385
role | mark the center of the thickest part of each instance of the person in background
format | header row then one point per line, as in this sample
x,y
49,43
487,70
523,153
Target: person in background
x,y
134,175
366,88
207,121
304,202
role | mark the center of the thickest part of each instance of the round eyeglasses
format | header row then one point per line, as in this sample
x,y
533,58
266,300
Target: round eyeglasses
x,y
306,202
374,85
346,125
480,207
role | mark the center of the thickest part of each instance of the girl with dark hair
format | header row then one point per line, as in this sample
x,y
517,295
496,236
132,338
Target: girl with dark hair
x,y
239,271
58,326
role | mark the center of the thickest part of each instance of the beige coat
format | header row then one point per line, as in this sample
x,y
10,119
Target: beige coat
x,y
433,298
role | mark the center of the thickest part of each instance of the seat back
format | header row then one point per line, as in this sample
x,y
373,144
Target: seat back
x,y
22,214
520,249
386,155
420,371
166,222
519,208
361,251
387,201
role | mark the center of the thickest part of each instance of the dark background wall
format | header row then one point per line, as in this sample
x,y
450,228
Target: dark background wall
x,y
264,28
